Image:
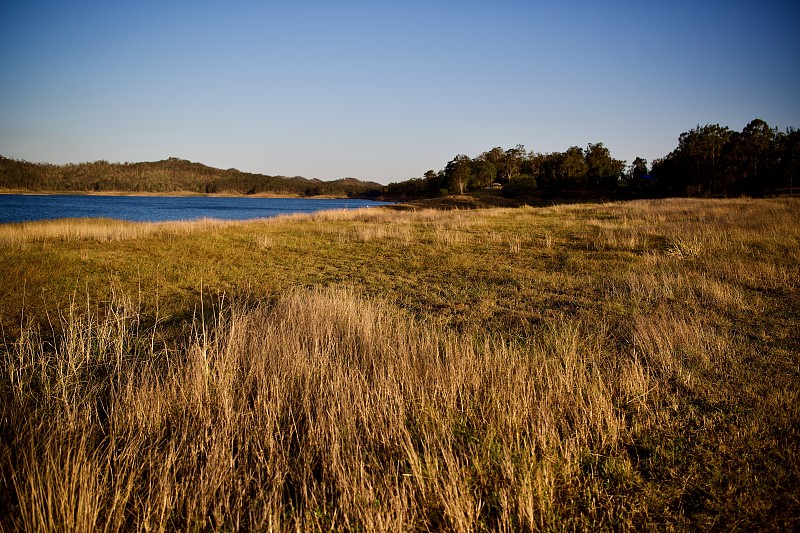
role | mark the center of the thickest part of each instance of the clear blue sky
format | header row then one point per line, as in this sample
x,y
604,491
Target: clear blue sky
x,y
383,90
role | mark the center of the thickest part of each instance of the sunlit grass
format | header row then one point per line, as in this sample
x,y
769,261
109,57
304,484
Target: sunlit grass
x,y
318,410
100,230
627,366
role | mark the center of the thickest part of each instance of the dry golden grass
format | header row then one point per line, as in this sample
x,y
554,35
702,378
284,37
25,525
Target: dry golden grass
x,y
99,230
319,410
629,366
105,230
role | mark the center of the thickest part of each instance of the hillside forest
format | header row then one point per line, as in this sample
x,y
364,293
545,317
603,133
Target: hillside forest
x,y
709,161
173,175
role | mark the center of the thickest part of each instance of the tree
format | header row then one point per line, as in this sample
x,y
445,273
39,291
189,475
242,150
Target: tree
x,y
638,168
513,161
573,168
507,163
562,170
751,159
635,179
789,159
484,173
694,167
497,158
603,171
433,184
458,173
532,164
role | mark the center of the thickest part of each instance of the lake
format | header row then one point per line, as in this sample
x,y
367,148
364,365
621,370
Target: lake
x,y
28,207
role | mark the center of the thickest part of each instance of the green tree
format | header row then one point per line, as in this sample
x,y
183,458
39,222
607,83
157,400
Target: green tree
x,y
484,173
695,166
638,168
495,157
559,171
506,162
789,167
573,168
513,161
458,174
602,170
751,160
702,151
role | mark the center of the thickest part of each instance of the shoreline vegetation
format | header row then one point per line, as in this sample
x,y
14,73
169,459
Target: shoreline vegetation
x,y
619,366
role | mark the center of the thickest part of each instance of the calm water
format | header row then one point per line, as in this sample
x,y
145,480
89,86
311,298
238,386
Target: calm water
x,y
24,207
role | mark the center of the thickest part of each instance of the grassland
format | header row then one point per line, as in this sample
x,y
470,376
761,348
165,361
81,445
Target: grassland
x,y
626,366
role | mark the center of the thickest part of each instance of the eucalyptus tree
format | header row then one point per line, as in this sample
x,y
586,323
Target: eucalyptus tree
x,y
638,168
458,174
695,166
751,159
563,170
506,162
603,171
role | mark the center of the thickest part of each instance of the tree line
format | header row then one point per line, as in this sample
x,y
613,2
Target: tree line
x,y
519,172
169,175
713,160
709,161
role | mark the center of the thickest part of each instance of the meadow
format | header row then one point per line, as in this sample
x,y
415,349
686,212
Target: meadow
x,y
622,366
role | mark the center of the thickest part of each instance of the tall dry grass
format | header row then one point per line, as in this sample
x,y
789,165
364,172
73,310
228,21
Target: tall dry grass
x,y
108,230
318,411
97,229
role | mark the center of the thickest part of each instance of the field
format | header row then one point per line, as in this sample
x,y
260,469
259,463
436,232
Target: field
x,y
623,366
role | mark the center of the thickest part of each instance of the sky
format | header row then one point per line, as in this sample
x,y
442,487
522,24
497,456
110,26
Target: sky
x,y
383,90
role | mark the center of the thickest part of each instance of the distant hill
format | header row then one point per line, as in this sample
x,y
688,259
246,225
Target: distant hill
x,y
169,175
